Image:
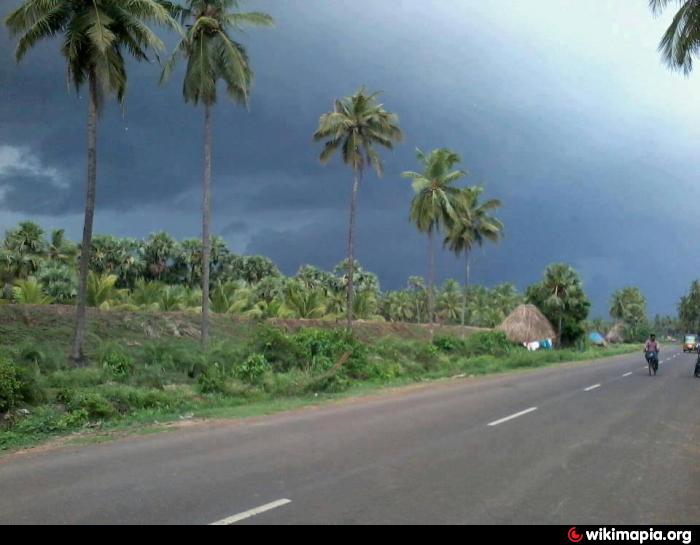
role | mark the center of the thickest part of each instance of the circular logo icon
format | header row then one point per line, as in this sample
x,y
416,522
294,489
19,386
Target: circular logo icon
x,y
574,536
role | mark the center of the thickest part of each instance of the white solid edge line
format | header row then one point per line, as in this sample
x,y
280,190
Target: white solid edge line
x,y
512,416
591,388
627,374
251,513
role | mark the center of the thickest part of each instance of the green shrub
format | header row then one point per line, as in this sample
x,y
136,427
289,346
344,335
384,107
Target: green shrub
x,y
96,405
426,354
253,369
150,377
313,350
171,356
159,354
76,378
289,384
128,398
31,354
31,391
447,343
10,384
227,354
44,420
279,349
117,363
480,365
74,419
494,343
338,382
377,368
212,380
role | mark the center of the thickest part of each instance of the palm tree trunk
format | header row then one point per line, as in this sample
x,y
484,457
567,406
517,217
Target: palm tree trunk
x,y
466,288
351,246
559,333
431,281
77,354
206,212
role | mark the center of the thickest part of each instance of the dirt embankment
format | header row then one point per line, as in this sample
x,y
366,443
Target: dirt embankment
x,y
157,325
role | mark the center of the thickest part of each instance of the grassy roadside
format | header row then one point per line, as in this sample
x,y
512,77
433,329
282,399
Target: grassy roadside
x,y
298,370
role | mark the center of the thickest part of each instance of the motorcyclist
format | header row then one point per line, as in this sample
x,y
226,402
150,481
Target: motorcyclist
x,y
652,349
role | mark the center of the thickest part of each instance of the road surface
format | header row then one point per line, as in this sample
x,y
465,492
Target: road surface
x,y
590,443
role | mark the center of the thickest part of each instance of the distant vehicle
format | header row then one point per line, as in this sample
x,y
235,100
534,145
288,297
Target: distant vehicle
x,y
690,343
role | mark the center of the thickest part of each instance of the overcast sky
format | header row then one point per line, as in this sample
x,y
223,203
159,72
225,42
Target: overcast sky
x,y
560,108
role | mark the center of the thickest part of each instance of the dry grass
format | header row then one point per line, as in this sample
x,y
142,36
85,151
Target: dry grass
x,y
527,324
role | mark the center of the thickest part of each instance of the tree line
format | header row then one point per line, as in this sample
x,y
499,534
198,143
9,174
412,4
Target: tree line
x,y
162,273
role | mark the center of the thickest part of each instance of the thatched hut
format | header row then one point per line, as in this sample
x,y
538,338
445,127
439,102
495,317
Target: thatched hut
x,y
527,324
616,334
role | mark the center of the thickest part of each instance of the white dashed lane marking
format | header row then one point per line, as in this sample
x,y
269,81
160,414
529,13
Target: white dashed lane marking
x,y
251,513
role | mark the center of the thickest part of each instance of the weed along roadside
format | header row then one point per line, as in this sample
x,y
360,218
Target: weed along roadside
x,y
148,368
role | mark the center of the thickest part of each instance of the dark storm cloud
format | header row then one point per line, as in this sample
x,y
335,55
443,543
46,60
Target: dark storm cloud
x,y
234,227
31,194
550,119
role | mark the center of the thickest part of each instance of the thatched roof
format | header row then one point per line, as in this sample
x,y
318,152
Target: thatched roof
x,y
616,333
527,324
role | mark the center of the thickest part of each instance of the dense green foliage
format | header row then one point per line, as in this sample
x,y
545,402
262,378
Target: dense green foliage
x,y
629,306
142,370
160,273
561,298
689,308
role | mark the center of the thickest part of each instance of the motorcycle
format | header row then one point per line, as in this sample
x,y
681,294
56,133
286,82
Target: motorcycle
x,y
697,365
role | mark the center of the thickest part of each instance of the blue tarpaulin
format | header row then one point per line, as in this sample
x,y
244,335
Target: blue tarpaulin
x,y
596,338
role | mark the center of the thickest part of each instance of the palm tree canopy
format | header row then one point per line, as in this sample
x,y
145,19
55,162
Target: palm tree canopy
x,y
95,35
436,197
561,283
474,224
681,41
211,52
355,125
629,305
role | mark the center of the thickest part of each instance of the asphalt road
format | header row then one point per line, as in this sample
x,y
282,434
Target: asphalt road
x,y
594,443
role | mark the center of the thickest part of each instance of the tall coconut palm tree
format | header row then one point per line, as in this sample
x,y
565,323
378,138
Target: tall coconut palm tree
x,y
356,125
434,203
473,227
96,35
212,55
681,41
